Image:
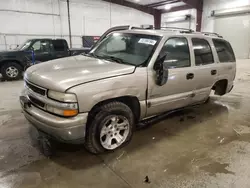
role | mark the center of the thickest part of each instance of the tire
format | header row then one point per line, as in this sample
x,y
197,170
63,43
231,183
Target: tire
x,y
113,114
11,66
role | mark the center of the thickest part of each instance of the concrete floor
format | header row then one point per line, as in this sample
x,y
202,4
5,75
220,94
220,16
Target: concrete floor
x,y
205,146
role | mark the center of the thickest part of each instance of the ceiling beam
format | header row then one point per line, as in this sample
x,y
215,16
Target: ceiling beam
x,y
136,6
191,3
162,3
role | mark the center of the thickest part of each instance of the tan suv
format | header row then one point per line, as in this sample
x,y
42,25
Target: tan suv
x,y
129,75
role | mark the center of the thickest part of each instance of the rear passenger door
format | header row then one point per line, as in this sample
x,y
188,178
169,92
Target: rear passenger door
x,y
226,61
205,68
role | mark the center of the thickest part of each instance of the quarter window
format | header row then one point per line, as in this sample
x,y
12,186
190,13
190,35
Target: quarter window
x,y
202,51
224,50
177,53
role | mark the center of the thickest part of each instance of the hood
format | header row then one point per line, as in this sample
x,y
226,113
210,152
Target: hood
x,y
64,73
10,53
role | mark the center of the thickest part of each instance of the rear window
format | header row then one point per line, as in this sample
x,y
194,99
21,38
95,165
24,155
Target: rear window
x,y
59,45
224,51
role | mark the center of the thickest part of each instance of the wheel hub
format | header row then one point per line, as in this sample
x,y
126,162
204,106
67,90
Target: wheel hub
x,y
12,72
114,132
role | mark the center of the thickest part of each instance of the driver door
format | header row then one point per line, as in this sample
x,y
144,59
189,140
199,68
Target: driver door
x,y
178,91
42,50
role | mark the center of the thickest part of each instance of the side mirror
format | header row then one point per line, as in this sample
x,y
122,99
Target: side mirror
x,y
161,69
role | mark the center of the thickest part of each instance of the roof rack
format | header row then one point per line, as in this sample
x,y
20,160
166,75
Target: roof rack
x,y
181,30
212,34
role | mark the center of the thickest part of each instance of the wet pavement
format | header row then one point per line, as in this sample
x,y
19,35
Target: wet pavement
x,y
203,146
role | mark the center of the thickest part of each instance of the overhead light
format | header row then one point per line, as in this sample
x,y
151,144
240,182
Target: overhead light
x,y
167,7
136,0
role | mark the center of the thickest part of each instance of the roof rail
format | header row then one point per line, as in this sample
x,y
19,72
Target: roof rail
x,y
181,30
212,34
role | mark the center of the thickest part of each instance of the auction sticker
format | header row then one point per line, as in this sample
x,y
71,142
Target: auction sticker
x,y
147,41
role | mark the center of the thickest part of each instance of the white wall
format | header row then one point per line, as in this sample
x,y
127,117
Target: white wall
x,y
23,19
210,5
192,12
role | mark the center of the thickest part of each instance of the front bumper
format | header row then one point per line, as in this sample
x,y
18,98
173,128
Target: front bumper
x,y
70,130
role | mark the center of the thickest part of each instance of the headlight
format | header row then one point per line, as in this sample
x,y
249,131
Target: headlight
x,y
63,97
67,108
62,112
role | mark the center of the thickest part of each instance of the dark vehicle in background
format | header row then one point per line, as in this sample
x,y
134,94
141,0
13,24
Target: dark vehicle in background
x,y
13,63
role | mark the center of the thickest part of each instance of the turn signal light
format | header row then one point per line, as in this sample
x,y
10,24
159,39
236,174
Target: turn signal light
x,y
68,113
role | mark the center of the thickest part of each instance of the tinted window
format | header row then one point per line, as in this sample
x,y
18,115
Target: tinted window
x,y
59,45
177,53
202,51
224,50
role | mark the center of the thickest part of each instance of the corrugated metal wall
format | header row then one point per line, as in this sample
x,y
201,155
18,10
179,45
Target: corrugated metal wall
x,y
235,27
23,19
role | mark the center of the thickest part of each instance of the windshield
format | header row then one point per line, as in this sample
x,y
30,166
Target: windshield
x,y
127,48
25,45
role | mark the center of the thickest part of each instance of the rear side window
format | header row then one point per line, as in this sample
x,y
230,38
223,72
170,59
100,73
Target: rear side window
x,y
224,51
202,51
177,53
59,45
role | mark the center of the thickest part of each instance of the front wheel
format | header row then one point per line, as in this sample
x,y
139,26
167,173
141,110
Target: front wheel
x,y
11,71
111,128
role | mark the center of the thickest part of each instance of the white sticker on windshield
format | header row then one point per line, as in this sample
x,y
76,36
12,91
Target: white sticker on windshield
x,y
147,41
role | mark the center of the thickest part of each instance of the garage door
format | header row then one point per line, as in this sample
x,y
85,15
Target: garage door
x,y
235,29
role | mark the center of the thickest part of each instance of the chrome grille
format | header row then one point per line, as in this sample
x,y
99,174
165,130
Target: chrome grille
x,y
36,102
33,93
35,88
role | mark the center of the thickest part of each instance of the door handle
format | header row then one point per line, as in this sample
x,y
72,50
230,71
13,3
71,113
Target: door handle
x,y
213,72
190,76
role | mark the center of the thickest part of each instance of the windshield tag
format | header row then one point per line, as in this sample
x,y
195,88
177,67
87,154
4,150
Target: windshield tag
x,y
147,41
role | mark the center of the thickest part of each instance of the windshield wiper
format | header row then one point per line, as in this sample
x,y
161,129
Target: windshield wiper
x,y
89,55
109,58
93,55
116,59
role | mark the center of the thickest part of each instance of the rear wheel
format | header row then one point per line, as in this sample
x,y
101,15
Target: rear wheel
x,y
11,71
111,128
